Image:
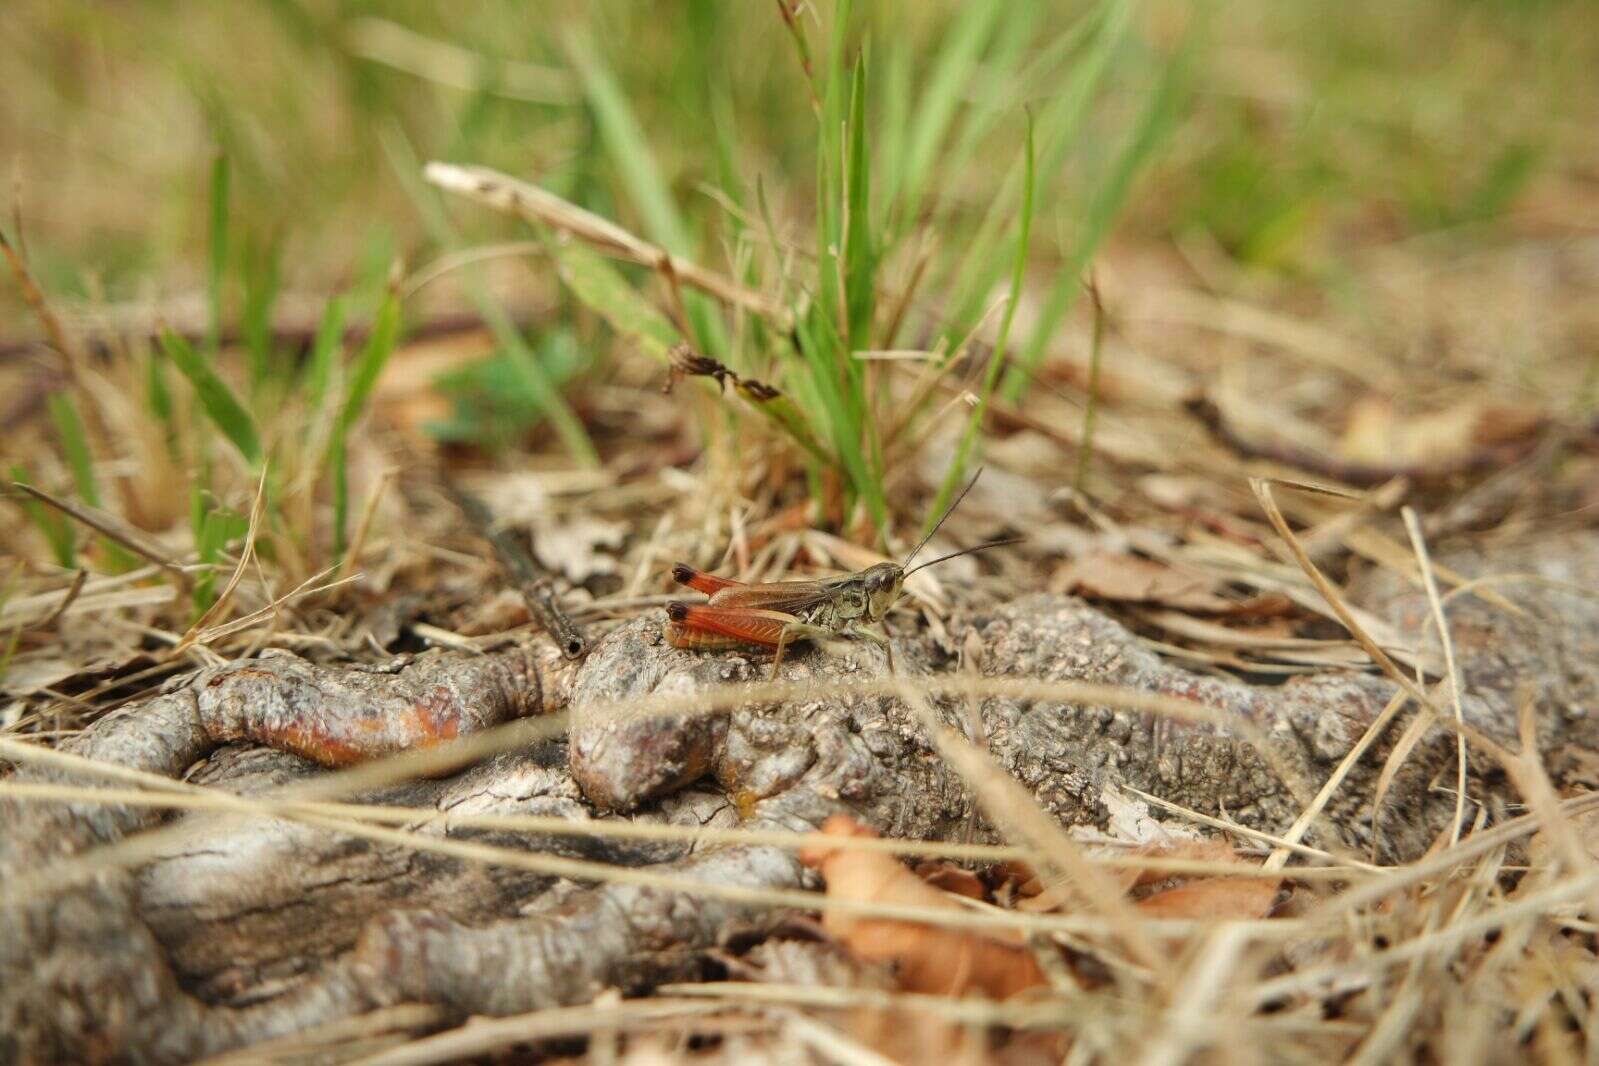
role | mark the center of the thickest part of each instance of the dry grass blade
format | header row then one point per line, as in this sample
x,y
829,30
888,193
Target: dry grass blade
x,y
1532,781
67,599
29,610
363,526
484,1036
110,526
533,204
1391,766
1193,1007
449,64
63,342
220,604
1335,601
1020,1013
134,850
1383,550
1397,879
831,1044
555,825
1438,945
1431,585
1018,814
308,587
391,1022
1308,816
1277,842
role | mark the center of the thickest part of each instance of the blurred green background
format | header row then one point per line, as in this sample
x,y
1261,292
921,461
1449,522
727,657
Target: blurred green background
x,y
1304,126
894,174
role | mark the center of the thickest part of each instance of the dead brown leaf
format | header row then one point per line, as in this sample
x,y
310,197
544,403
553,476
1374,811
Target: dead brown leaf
x,y
953,879
1134,579
1206,897
934,960
1215,898
573,548
1380,433
1038,900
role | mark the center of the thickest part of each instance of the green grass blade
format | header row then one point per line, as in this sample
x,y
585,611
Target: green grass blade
x,y
1154,125
956,474
641,175
936,107
262,280
75,445
536,380
216,399
601,288
821,347
157,395
565,422
889,145
374,356
833,388
218,202
860,258
1004,84
10,651
1058,127
325,351
860,288
1507,176
630,150
830,177
58,532
363,378
490,407
213,527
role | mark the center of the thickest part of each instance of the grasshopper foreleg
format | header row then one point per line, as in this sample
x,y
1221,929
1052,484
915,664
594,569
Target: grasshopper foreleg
x,y
880,639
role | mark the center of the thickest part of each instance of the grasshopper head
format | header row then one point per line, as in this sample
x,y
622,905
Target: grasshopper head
x,y
883,583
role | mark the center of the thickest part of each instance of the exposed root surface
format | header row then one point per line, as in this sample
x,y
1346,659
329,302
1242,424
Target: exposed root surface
x,y
237,930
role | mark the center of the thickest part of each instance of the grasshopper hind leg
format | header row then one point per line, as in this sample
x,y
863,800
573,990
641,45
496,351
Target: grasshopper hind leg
x,y
681,636
795,631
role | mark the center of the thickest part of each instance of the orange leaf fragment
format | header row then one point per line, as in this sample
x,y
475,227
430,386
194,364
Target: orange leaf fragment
x,y
1217,898
932,959
953,879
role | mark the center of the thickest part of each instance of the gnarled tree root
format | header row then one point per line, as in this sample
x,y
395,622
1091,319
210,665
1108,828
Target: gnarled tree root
x,y
241,931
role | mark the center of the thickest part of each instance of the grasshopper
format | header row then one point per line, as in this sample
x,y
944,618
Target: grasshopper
x,y
777,614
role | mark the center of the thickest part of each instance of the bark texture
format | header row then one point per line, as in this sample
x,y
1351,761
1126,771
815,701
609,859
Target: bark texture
x,y
242,931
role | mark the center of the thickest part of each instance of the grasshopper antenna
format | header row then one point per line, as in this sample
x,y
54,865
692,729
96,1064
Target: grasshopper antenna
x,y
966,551
936,525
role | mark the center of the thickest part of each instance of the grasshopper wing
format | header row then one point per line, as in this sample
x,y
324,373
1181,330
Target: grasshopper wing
x,y
785,596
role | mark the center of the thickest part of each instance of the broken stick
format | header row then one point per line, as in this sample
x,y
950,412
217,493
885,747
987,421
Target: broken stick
x,y
531,580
